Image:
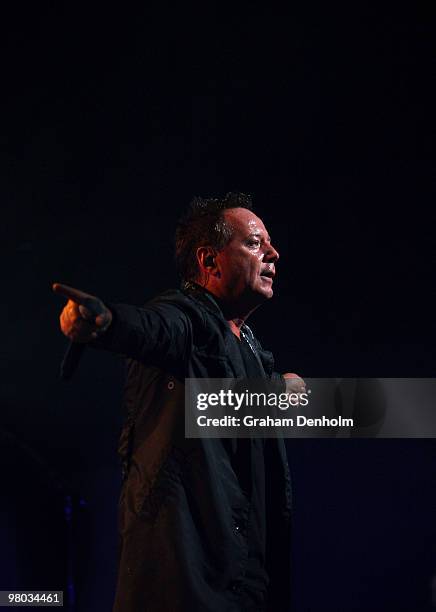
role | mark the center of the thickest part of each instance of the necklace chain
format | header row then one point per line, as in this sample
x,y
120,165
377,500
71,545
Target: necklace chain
x,y
245,336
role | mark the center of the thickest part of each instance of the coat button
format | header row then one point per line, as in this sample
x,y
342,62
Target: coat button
x,y
171,385
235,586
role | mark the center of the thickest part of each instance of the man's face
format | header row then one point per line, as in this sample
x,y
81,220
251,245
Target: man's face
x,y
247,263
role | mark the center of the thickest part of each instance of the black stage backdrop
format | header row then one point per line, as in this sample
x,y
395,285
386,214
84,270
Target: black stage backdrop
x,y
112,120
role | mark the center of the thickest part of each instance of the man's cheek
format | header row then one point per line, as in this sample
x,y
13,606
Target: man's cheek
x,y
255,276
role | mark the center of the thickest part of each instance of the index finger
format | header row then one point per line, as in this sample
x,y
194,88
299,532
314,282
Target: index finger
x,y
73,294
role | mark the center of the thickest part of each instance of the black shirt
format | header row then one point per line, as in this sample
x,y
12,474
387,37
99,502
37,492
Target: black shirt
x,y
251,467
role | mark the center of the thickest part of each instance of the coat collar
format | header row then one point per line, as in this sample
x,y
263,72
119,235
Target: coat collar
x,y
208,300
211,304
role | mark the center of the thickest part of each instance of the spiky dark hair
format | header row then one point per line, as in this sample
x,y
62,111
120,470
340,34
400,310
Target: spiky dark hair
x,y
203,224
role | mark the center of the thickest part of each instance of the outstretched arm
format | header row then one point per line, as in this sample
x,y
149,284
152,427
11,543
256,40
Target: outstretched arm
x,y
157,334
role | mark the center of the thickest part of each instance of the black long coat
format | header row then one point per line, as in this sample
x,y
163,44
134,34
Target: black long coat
x,y
182,509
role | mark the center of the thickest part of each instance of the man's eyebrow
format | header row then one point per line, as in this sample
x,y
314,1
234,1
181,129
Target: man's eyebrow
x,y
257,234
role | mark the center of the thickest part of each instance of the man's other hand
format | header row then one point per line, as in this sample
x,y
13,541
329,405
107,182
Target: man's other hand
x,y
294,383
85,317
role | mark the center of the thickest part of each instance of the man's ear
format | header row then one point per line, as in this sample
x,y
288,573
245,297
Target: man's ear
x,y
206,260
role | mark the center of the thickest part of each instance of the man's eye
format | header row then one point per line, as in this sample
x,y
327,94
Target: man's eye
x,y
254,243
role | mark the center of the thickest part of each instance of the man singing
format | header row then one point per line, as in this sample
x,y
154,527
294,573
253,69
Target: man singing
x,y
204,523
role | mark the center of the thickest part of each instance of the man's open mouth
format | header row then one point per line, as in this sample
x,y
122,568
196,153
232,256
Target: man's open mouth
x,y
268,274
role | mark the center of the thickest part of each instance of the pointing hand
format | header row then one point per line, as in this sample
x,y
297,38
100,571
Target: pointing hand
x,y
84,317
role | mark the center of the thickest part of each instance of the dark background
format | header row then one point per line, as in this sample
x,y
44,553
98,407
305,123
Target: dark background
x,y
112,120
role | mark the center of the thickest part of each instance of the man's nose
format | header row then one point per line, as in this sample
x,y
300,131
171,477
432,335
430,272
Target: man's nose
x,y
271,254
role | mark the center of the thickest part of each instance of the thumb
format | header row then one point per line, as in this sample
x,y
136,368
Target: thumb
x,y
103,320
86,314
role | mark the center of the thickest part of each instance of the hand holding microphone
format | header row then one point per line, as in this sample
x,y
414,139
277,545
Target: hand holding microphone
x,y
84,317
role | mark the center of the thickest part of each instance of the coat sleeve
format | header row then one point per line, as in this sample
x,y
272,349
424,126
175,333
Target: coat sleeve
x,y
159,334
